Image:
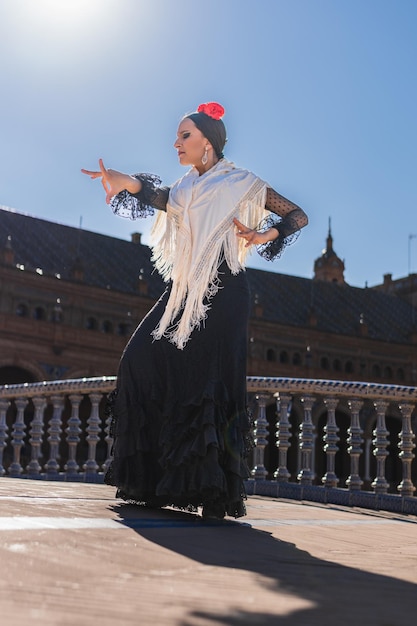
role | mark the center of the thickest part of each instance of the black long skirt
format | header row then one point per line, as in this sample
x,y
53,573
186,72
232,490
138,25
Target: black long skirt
x,y
181,426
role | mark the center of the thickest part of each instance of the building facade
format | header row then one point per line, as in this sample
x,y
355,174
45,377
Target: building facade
x,y
69,300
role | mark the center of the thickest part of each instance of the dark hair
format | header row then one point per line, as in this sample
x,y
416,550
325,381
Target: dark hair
x,y
213,130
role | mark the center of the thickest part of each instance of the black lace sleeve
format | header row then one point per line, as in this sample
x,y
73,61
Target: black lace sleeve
x,y
143,203
288,219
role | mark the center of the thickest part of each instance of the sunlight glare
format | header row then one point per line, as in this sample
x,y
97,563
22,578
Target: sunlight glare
x,y
57,33
61,21
65,12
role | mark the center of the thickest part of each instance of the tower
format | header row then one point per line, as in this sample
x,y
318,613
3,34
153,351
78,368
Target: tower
x,y
329,267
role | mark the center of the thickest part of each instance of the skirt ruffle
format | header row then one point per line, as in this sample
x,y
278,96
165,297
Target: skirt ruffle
x,y
179,420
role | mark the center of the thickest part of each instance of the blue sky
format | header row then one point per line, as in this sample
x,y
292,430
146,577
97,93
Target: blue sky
x,y
320,99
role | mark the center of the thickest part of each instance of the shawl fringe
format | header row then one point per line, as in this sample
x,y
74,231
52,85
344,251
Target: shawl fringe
x,y
194,284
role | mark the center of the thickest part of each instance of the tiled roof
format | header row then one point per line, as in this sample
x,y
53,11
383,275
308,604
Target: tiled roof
x,y
289,300
338,308
107,262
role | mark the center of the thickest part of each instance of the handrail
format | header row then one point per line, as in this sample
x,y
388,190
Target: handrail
x,y
338,388
255,384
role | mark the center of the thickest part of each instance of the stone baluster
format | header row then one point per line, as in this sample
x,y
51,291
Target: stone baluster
x,y
4,405
380,441
283,434
36,431
73,430
108,431
93,431
259,471
306,438
54,437
18,436
406,445
354,442
330,442
367,459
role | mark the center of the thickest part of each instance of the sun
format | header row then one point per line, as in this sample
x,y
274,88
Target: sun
x,y
66,11
59,19
56,33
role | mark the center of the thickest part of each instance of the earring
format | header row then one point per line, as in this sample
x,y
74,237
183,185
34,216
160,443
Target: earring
x,y
204,158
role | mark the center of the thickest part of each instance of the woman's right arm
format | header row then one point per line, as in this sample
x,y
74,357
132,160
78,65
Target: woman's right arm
x,y
151,193
113,181
131,196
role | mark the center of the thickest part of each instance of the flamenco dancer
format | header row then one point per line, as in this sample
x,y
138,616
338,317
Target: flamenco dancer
x,y
180,422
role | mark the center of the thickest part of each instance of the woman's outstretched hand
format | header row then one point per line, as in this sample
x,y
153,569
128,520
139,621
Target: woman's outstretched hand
x,y
252,236
113,181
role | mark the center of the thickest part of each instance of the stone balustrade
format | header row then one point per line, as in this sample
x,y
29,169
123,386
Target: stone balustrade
x,y
58,430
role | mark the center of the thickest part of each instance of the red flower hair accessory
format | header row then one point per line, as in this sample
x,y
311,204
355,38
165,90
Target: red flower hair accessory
x,y
212,109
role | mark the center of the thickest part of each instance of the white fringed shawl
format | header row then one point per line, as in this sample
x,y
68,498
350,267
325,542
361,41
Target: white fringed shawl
x,y
196,234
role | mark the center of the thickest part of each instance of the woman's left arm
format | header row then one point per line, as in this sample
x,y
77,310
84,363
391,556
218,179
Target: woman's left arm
x,y
292,216
278,229
286,219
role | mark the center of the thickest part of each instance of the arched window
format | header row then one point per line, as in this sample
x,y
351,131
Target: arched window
x,y
324,363
91,323
107,327
400,374
376,371
387,372
337,365
271,355
296,358
39,313
283,357
349,369
123,329
22,310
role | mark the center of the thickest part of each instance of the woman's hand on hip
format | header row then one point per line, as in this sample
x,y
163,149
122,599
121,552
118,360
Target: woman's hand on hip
x,y
252,236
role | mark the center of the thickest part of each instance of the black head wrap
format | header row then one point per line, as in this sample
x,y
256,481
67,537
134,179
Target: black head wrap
x,y
214,130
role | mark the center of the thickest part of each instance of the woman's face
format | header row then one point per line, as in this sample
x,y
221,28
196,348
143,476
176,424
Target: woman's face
x,y
190,143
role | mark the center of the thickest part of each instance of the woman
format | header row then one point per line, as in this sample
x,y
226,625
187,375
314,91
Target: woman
x,y
180,422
